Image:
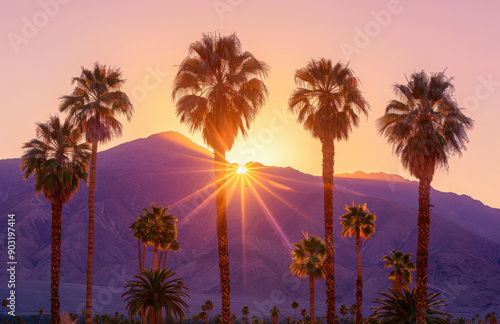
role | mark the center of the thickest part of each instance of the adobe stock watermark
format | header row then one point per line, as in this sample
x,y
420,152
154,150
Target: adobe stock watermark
x,y
30,26
223,6
363,36
150,82
482,92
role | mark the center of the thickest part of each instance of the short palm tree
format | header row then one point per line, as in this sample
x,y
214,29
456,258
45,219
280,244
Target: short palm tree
x,y
360,223
343,311
156,289
218,90
58,159
295,305
303,313
400,308
352,310
94,106
207,307
401,275
425,127
245,311
308,257
275,313
4,304
328,101
40,312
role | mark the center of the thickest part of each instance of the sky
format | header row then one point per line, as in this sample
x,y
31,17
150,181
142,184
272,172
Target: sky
x,y
44,43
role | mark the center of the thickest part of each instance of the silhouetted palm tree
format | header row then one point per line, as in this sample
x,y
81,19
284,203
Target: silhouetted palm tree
x,y
401,275
425,127
358,222
219,90
275,313
158,290
139,229
295,305
308,257
303,313
94,106
58,159
343,311
4,304
40,312
208,306
245,311
328,101
400,308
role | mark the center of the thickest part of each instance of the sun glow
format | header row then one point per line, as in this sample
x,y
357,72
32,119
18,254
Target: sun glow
x,y
241,169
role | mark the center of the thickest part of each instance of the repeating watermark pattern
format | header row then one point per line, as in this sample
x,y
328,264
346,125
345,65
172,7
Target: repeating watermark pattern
x,y
11,264
31,26
373,28
224,6
482,92
150,82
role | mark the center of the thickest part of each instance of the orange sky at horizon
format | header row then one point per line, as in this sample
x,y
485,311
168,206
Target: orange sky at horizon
x,y
45,42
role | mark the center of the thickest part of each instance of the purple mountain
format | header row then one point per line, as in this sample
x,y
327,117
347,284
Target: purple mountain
x,y
267,212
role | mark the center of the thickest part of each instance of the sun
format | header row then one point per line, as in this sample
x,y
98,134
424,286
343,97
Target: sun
x,y
241,170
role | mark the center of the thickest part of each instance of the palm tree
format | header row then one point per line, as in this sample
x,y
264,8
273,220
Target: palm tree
x,y
343,311
172,246
40,312
308,257
245,311
94,106
303,313
425,127
160,229
58,159
400,307
138,228
275,313
328,101
401,275
358,222
208,306
219,90
158,290
295,305
4,304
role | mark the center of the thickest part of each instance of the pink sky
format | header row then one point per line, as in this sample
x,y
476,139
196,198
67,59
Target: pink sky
x,y
147,40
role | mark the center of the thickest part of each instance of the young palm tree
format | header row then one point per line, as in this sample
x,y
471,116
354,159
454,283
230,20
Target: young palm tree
x,y
401,275
308,257
295,305
245,311
40,312
94,106
303,313
219,90
343,311
158,290
328,101
4,304
400,308
358,222
58,159
425,127
275,313
208,306
352,310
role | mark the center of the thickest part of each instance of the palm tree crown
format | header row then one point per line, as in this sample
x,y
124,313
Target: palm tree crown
x,y
308,256
426,125
358,219
219,89
403,267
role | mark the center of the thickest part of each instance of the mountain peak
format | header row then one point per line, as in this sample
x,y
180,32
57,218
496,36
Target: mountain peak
x,y
381,176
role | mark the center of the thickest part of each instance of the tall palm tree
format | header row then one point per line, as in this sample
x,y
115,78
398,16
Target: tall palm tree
x,y
358,222
160,229
425,127
275,313
400,308
245,311
138,229
303,313
218,90
295,305
156,289
401,275
343,311
208,306
328,101
94,106
168,245
308,257
58,158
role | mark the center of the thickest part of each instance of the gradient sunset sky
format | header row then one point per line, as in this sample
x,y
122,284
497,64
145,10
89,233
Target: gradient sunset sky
x,y
44,43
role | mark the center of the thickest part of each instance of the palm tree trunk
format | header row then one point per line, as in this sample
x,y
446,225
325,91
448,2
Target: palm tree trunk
x,y
208,312
311,299
152,315
424,193
359,282
140,258
165,259
220,203
328,150
155,258
160,259
55,258
397,283
90,253
143,256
